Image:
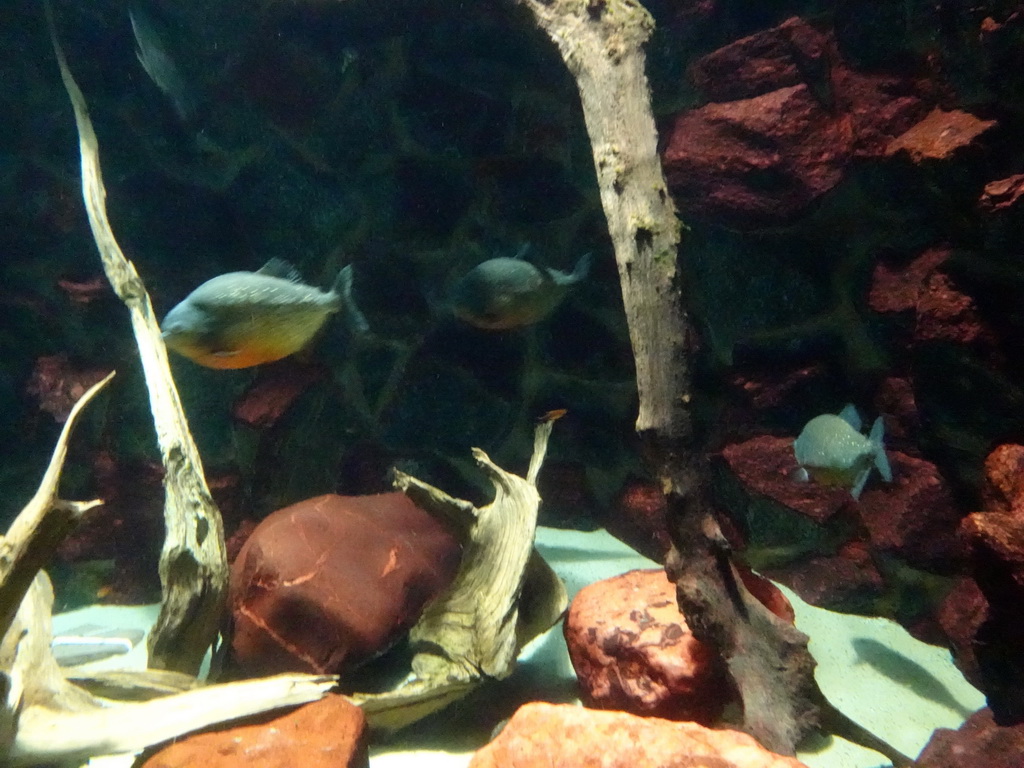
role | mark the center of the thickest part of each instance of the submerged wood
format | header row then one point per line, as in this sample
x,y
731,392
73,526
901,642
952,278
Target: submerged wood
x,y
193,562
503,595
601,42
44,718
29,544
42,525
56,722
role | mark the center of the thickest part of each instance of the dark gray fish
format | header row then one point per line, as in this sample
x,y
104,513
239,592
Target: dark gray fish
x,y
154,54
505,293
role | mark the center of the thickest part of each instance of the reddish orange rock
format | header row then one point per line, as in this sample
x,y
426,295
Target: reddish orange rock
x,y
330,733
543,735
978,742
940,135
1003,487
273,393
1002,194
717,156
914,517
999,536
960,615
632,650
57,384
769,595
942,312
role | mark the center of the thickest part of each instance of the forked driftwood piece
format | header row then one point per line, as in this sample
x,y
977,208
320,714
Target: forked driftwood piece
x,y
503,595
44,718
55,722
193,563
42,525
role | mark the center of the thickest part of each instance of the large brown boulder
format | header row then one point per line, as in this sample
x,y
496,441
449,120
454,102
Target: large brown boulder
x,y
335,580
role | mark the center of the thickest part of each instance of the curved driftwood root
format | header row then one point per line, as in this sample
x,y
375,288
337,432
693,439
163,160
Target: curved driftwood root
x,y
503,595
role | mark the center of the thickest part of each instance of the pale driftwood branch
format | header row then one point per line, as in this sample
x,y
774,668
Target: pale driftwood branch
x,y
55,722
193,563
46,737
132,685
541,435
44,718
601,43
503,596
42,525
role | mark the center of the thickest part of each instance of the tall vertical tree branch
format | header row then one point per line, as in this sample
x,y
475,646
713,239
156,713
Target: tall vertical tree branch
x,y
601,42
193,562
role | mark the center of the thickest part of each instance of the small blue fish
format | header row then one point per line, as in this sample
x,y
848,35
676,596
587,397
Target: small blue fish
x,y
504,293
832,450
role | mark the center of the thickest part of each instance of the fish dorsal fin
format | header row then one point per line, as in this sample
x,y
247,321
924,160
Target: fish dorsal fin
x,y
280,268
850,416
528,255
524,253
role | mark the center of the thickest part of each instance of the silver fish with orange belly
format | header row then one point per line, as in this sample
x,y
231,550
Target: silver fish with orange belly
x,y
242,319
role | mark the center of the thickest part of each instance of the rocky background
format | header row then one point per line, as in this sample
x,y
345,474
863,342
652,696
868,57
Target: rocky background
x,y
850,174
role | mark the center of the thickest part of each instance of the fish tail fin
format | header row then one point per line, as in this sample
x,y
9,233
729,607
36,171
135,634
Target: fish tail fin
x,y
877,437
582,268
437,305
343,288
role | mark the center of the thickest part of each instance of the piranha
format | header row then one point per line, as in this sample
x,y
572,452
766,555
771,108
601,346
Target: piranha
x,y
241,319
154,54
832,450
510,292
